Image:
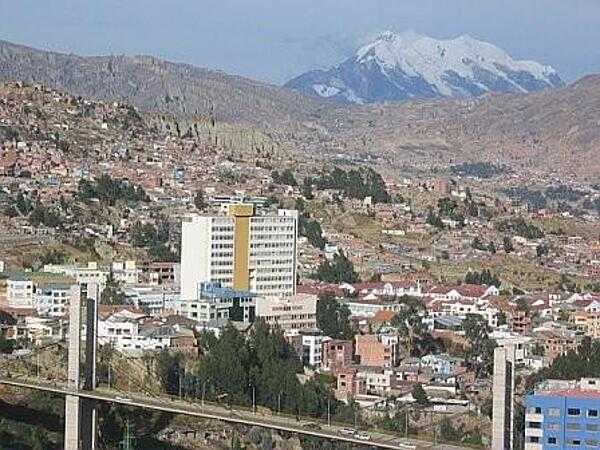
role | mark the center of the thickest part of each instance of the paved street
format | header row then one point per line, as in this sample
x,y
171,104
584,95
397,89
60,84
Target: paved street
x,y
303,426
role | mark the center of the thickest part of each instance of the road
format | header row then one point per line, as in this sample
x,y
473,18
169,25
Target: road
x,y
238,416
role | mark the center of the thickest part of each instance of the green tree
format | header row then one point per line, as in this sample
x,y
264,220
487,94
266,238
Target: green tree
x,y
230,356
478,245
480,353
112,294
484,277
541,250
169,369
447,431
434,220
307,192
311,230
409,323
419,395
285,177
6,345
507,244
333,318
340,270
199,201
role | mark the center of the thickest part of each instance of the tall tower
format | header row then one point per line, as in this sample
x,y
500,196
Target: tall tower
x,y
80,414
72,402
503,410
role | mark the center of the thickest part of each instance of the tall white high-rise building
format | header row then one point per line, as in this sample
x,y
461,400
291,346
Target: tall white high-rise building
x,y
243,251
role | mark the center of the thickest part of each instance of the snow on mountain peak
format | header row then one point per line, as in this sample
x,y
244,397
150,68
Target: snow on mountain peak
x,y
400,66
431,58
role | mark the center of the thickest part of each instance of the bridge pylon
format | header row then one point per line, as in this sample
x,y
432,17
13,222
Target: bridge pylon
x,y
80,413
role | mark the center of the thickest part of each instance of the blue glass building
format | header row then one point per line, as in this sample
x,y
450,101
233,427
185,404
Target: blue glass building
x,y
563,415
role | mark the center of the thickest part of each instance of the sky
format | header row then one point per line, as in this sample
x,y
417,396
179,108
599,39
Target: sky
x,y
275,40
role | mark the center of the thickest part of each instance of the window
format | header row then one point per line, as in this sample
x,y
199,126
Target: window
x,y
553,426
554,412
592,413
574,442
592,427
573,411
592,442
552,441
573,426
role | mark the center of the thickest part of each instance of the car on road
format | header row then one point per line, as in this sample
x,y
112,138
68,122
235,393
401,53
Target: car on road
x,y
123,399
363,436
348,431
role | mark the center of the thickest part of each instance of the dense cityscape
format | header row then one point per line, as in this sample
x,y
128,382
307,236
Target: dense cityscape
x,y
172,280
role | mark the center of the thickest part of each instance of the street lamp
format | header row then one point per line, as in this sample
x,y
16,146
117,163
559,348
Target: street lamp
x,y
279,403
253,397
108,376
204,390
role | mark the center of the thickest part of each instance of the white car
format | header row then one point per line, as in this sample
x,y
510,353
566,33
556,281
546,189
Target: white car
x,y
363,436
347,431
123,399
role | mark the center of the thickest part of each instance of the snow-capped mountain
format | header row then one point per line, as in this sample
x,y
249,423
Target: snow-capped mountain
x,y
396,67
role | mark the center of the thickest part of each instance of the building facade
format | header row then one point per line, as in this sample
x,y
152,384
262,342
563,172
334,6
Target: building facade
x,y
217,304
297,312
563,415
242,251
377,350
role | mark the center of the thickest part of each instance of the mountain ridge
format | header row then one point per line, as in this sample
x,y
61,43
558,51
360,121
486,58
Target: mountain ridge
x,y
151,83
400,67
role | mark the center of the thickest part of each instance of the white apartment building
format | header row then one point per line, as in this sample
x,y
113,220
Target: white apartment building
x,y
19,291
125,272
52,300
122,330
312,345
153,299
217,304
242,251
83,275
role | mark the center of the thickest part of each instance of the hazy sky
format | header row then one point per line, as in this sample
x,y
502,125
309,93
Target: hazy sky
x,y
274,40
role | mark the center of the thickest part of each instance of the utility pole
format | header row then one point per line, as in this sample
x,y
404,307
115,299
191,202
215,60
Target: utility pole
x,y
254,399
109,375
180,384
329,411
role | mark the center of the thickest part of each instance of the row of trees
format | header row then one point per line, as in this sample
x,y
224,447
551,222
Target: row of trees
x,y
519,227
575,364
155,239
339,270
311,230
109,191
262,368
354,183
484,277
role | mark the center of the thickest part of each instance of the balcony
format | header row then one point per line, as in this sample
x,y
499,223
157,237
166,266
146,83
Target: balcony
x,y
534,432
534,417
533,446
